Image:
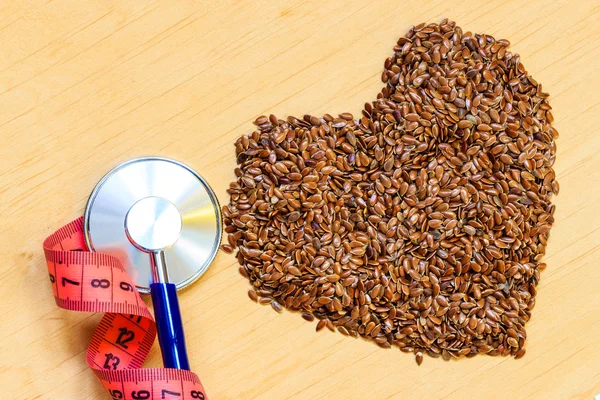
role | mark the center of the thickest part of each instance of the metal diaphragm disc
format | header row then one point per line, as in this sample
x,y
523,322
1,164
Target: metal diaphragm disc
x,y
160,188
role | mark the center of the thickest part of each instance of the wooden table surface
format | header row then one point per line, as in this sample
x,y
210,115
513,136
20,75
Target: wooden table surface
x,y
85,85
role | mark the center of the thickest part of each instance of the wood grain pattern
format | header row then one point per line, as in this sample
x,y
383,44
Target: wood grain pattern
x,y
85,85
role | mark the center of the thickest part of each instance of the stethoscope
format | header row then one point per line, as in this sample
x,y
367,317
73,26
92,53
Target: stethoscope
x,y
163,222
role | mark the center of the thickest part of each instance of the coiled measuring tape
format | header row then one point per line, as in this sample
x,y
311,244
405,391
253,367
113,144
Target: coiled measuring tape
x,y
97,282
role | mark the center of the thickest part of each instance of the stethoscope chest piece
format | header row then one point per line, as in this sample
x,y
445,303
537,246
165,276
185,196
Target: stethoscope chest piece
x,y
154,204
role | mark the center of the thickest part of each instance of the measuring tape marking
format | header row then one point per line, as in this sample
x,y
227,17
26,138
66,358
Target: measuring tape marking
x,y
96,282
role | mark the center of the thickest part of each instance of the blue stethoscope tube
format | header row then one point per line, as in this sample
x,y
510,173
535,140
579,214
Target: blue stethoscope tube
x,y
169,325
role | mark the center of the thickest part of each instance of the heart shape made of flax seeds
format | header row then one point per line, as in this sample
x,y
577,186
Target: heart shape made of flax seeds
x,y
423,223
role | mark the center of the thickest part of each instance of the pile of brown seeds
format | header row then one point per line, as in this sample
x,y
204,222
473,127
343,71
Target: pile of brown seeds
x,y
422,224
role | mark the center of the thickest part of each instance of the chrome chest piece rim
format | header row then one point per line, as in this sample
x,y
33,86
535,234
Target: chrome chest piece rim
x,y
153,203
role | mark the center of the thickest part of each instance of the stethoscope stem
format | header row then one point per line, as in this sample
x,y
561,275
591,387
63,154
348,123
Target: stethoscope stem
x,y
158,263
